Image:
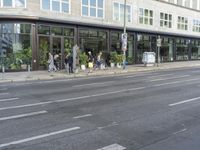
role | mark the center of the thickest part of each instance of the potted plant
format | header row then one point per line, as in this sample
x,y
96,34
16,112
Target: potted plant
x,y
113,58
119,60
83,58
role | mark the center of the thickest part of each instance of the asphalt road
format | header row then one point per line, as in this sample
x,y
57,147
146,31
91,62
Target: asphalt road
x,y
144,111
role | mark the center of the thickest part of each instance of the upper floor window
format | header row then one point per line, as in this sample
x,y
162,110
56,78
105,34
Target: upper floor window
x,y
196,25
180,2
165,20
13,3
182,23
56,5
145,16
93,8
118,12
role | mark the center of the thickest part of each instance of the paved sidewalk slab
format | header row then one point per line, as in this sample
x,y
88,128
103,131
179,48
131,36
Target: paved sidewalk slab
x,y
45,75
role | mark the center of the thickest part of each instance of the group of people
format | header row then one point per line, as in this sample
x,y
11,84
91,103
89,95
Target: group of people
x,y
68,62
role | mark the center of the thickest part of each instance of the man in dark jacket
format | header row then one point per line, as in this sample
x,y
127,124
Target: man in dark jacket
x,y
69,61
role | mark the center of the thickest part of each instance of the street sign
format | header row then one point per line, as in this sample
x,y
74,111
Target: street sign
x,y
124,41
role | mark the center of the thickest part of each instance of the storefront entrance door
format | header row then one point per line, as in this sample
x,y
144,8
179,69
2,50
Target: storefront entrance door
x,y
57,51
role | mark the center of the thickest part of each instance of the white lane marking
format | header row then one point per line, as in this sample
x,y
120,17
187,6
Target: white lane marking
x,y
183,130
4,89
23,115
82,116
4,93
156,85
169,78
185,101
97,83
113,147
70,99
38,137
108,126
9,99
162,75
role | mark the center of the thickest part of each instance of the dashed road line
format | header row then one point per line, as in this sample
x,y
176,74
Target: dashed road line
x,y
82,116
169,78
71,99
38,137
113,147
9,99
91,84
4,94
184,101
23,115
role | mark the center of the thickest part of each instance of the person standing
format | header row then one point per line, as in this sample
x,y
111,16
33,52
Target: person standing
x,y
69,63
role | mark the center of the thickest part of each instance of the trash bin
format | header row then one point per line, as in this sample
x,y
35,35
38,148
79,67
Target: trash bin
x,y
149,58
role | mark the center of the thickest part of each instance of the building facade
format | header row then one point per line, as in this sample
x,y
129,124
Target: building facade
x,y
29,29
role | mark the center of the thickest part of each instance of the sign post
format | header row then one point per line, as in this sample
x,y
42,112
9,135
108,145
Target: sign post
x,y
124,38
158,45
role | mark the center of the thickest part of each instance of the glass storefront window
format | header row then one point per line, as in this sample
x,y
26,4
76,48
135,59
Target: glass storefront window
x,y
7,28
195,49
16,50
56,30
94,41
22,28
182,49
143,45
166,49
68,32
44,29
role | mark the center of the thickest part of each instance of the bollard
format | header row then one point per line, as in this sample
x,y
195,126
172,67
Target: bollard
x,y
29,68
3,71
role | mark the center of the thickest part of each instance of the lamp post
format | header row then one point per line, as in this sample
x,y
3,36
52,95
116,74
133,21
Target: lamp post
x,y
124,40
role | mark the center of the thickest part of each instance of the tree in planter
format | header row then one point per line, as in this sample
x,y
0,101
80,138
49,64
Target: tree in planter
x,y
83,58
25,55
43,57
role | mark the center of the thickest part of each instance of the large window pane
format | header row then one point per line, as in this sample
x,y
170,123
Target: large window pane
x,y
46,4
7,28
65,7
84,2
44,30
93,12
93,3
7,3
20,3
85,11
100,3
55,5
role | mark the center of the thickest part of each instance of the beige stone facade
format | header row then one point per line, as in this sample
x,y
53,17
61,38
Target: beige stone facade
x,y
34,10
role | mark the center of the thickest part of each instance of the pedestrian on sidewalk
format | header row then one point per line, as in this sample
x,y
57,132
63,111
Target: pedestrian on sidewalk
x,y
69,63
51,66
56,61
90,61
99,61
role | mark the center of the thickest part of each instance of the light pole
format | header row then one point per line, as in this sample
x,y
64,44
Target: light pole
x,y
124,47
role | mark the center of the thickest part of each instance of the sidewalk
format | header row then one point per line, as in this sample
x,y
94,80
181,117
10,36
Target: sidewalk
x,y
45,75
